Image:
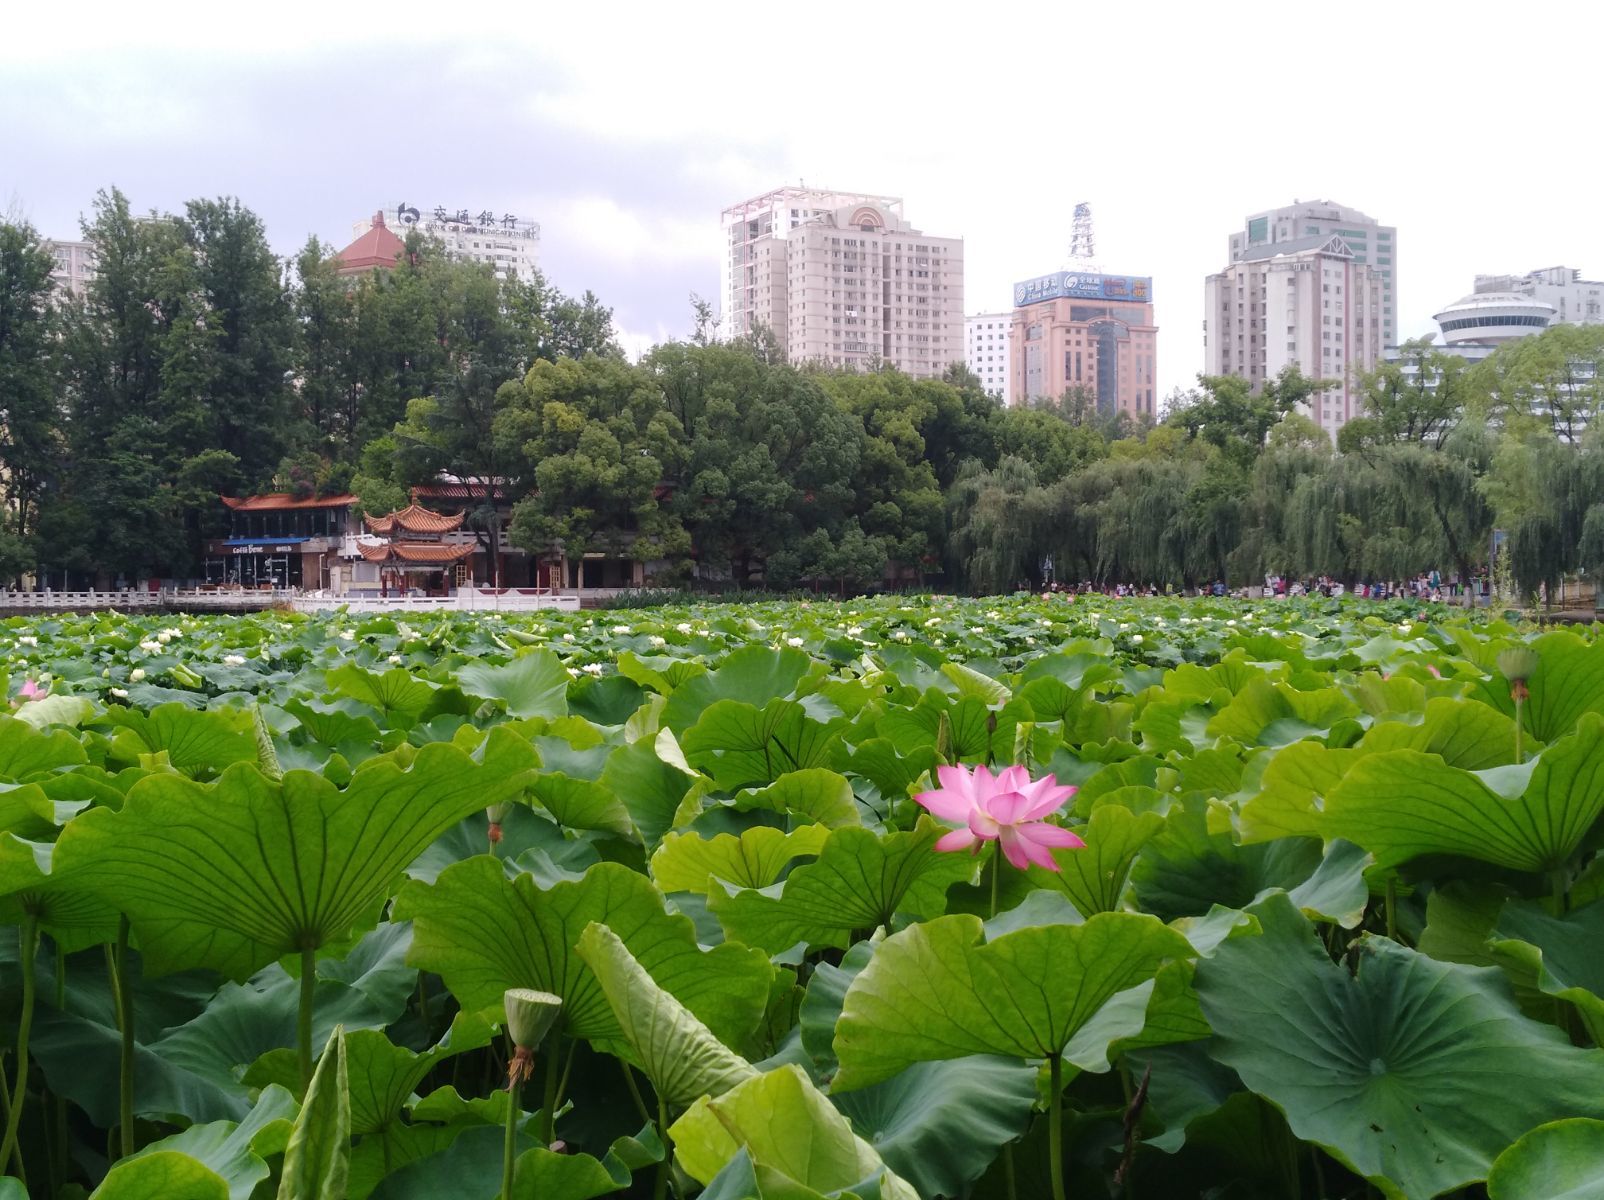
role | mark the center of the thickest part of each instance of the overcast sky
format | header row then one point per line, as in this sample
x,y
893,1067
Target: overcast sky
x,y
624,129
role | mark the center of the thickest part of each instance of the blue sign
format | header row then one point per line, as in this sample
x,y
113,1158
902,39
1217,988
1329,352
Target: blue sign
x,y
1078,285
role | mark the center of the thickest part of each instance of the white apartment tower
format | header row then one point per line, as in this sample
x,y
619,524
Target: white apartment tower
x,y
1306,302
842,279
74,267
1372,244
1575,301
986,351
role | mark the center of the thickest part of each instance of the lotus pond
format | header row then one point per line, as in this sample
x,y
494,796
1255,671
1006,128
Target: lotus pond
x,y
778,901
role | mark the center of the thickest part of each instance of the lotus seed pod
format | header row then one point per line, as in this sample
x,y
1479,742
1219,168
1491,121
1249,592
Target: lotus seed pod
x,y
1518,663
530,1014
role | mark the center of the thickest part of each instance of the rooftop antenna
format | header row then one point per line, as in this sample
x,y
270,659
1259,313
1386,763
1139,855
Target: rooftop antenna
x,y
1083,241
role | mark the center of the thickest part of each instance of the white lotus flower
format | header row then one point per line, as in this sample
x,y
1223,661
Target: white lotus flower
x,y
682,627
593,668
793,642
568,637
395,659
854,630
28,639
136,674
120,693
621,629
1137,638
347,636
233,660
151,647
657,641
932,621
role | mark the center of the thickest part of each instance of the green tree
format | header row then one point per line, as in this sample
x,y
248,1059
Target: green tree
x,y
30,415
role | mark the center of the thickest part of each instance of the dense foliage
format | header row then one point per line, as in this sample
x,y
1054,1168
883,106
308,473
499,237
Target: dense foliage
x,y
193,367
629,903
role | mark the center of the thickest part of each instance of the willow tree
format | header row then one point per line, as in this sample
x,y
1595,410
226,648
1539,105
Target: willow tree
x,y
993,528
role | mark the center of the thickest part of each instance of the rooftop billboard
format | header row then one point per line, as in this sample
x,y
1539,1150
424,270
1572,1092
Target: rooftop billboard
x,y
1077,285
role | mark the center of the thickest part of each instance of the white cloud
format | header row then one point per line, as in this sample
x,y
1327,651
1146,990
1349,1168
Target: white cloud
x,y
609,231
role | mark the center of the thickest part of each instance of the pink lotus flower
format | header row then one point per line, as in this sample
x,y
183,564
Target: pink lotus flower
x,y
30,691
1008,808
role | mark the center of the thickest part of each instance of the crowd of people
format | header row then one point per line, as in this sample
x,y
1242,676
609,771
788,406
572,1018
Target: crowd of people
x,y
1427,586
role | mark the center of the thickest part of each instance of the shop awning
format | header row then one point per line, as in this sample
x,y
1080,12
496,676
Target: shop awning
x,y
265,541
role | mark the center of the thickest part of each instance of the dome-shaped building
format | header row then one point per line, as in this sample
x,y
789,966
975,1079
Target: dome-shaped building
x,y
1491,318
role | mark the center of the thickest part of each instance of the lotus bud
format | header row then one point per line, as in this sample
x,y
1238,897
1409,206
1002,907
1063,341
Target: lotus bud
x,y
1518,664
944,752
497,814
530,1014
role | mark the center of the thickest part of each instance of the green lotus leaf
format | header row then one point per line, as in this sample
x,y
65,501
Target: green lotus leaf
x,y
935,991
396,692
201,744
317,1160
939,1125
1568,684
1292,792
752,675
1390,1068
1402,804
1266,713
235,1151
74,916
236,874
649,787
1094,878
814,794
1463,733
858,883
740,745
967,681
1558,953
535,684
484,933
754,859
165,1175
680,1055
822,1001
56,710
583,804
27,754
1563,1160
784,1124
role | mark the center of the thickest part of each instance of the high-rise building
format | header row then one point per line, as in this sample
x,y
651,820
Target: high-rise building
x,y
1306,302
1575,301
842,279
510,244
986,350
75,267
1074,330
1373,244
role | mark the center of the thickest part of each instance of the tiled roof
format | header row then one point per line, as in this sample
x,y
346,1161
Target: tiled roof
x,y
424,554
414,519
456,489
378,247
286,500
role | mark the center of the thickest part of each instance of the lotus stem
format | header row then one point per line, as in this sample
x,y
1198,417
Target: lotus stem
x,y
1055,1124
29,947
509,1146
123,1003
660,1187
1560,889
548,1124
996,870
60,1159
1392,907
303,1023
1519,693
5,1115
634,1092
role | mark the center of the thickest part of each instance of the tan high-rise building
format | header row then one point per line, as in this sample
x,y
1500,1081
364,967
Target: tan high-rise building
x,y
842,279
1087,332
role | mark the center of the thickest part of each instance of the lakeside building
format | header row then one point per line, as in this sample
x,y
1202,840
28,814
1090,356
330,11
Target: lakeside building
x,y
1372,244
1308,302
74,266
844,280
1575,301
986,351
510,244
1075,329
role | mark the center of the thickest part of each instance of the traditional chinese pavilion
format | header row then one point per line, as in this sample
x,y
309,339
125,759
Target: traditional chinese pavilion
x,y
414,552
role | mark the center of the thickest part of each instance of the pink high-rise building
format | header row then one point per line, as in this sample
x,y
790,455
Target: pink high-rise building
x,y
1074,330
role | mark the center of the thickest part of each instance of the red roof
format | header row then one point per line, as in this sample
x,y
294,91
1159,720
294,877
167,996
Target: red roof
x,y
422,554
456,489
377,248
283,500
414,519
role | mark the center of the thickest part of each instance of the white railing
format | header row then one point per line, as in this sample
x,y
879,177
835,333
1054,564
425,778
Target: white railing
x,y
92,598
464,600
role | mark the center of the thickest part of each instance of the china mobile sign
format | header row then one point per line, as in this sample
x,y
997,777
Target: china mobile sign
x,y
1078,285
461,220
